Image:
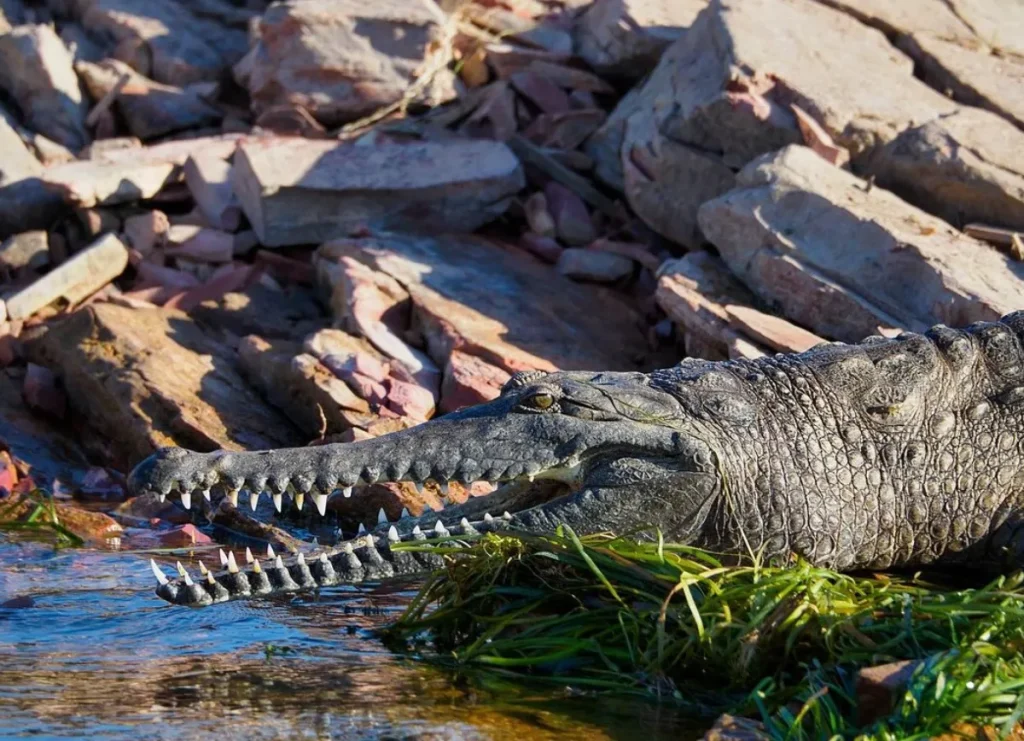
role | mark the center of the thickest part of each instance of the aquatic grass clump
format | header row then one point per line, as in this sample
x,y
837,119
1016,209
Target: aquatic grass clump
x,y
41,517
783,644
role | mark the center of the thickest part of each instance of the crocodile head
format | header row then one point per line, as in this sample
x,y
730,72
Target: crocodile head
x,y
596,451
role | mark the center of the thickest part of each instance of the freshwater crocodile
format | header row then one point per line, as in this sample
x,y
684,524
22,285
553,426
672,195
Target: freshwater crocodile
x,y
888,453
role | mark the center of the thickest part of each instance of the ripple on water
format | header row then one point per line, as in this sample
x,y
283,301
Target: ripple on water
x,y
98,654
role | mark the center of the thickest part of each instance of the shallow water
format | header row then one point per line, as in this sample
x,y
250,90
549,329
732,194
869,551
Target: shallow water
x,y
87,650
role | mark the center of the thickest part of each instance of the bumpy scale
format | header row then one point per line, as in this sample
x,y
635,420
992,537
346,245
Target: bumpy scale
x,y
892,452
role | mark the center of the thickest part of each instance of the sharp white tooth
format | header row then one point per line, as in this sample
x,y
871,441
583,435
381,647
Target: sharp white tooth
x,y
393,534
347,548
320,500
256,568
206,494
493,484
210,579
530,477
278,500
419,487
347,492
161,577
184,575
223,558
186,500
361,530
233,497
278,563
416,530
405,513
300,499
382,517
270,551
162,498
506,515
323,558
248,555
488,517
232,566
300,559
465,525
202,569
254,500
440,529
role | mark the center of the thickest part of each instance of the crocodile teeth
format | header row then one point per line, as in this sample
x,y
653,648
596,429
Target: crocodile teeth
x,y
347,492
232,566
202,569
278,563
300,499
161,577
361,530
184,574
506,516
209,578
441,530
278,500
466,527
248,555
270,551
254,500
233,497
320,500
300,559
162,498
382,517
416,530
206,494
323,558
393,534
223,558
186,500
488,517
405,513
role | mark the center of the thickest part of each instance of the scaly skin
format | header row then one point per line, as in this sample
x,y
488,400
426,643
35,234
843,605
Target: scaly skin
x,y
884,454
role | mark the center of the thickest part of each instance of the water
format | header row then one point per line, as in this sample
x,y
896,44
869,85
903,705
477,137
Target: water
x,y
88,651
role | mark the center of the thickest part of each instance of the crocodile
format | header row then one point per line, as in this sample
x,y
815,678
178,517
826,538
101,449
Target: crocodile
x,y
889,453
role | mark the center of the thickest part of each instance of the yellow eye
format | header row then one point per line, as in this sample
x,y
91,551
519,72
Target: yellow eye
x,y
541,401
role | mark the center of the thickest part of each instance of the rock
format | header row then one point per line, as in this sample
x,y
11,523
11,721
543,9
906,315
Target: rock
x,y
36,70
41,392
165,41
772,331
566,130
176,151
540,91
73,281
12,13
410,400
27,204
148,378
594,265
495,303
999,24
879,687
344,59
271,314
538,216
694,291
88,183
546,248
843,259
150,109
304,389
209,182
91,526
25,251
298,191
735,728
205,245
470,380
966,166
18,162
147,230
635,251
186,536
933,17
724,90
625,38
572,220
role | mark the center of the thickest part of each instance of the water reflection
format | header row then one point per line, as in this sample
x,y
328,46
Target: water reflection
x,y
87,650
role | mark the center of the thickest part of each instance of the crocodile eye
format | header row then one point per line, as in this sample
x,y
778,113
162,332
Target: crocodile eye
x,y
542,401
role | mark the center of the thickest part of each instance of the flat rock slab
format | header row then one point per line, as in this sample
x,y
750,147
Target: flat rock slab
x,y
725,89
301,191
967,166
36,71
625,38
149,378
499,304
843,259
18,161
344,59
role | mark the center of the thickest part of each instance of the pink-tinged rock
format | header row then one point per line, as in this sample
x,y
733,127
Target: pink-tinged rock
x,y
594,266
372,390
99,483
565,130
546,248
362,363
344,59
226,279
572,220
209,181
633,250
301,191
154,274
146,231
286,269
469,380
184,537
538,216
206,245
543,93
410,400
40,391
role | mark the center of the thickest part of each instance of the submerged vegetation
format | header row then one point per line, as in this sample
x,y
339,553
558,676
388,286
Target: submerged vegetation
x,y
36,512
782,645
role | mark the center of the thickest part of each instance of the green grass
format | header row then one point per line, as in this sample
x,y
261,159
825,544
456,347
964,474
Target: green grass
x,y
782,645
41,518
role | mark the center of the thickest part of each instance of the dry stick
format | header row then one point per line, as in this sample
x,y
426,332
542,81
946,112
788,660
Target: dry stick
x,y
107,100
